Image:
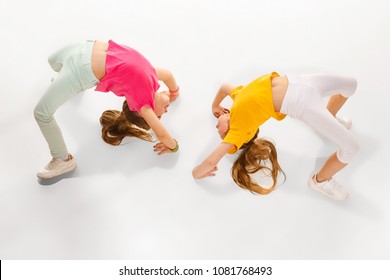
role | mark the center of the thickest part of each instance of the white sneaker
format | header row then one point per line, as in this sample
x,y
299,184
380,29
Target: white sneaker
x,y
330,188
346,122
57,167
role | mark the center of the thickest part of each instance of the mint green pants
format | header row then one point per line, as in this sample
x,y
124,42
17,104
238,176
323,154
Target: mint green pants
x,y
73,63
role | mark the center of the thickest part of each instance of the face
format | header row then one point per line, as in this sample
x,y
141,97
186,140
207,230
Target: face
x,y
223,125
161,103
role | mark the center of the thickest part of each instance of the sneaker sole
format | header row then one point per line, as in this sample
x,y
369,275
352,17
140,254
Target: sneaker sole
x,y
66,170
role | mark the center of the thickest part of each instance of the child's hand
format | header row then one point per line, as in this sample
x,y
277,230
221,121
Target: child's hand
x,y
219,111
210,173
161,149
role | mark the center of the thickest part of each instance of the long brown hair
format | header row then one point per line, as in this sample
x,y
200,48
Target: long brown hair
x,y
253,158
116,125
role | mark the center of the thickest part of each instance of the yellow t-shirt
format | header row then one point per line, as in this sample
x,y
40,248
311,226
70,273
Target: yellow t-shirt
x,y
252,106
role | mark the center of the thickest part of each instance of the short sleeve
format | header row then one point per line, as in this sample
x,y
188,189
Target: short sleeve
x,y
233,93
237,137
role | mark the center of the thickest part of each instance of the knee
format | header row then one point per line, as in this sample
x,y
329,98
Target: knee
x,y
347,154
40,115
56,66
354,148
352,86
50,60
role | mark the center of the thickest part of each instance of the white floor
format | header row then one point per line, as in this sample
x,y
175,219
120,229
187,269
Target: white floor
x,y
127,203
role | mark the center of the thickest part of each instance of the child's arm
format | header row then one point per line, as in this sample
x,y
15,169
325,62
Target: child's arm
x,y
209,165
169,80
168,143
216,108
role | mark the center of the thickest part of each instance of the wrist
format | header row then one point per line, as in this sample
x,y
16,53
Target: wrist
x,y
174,92
174,150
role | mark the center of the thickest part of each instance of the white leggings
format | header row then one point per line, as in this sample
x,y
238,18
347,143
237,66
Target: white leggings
x,y
303,101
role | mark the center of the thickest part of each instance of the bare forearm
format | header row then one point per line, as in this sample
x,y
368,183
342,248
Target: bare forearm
x,y
209,165
158,128
168,79
223,91
171,84
216,108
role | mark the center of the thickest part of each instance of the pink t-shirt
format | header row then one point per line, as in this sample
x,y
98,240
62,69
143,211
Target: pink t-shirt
x,y
129,74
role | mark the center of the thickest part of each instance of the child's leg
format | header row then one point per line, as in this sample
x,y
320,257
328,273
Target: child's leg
x,y
324,122
57,59
338,88
330,168
75,76
335,103
57,94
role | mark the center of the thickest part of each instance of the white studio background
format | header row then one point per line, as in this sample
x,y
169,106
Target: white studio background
x,y
126,202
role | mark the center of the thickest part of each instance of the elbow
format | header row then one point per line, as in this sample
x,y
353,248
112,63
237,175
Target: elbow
x,y
225,88
168,75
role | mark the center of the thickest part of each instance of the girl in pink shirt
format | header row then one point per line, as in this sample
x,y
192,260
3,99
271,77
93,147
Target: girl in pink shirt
x,y
110,67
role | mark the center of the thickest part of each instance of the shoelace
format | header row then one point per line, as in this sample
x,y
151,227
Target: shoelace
x,y
51,163
331,186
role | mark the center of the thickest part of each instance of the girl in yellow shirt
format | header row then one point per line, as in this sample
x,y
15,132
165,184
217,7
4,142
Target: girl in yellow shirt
x,y
275,96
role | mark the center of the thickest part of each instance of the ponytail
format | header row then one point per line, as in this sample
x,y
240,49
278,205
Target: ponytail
x,y
117,125
252,159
